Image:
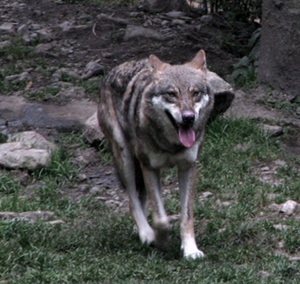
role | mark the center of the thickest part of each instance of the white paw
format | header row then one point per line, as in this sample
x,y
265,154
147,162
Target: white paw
x,y
147,236
194,254
190,250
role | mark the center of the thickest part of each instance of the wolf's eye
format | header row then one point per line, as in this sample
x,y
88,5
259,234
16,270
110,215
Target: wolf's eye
x,y
171,94
197,96
170,97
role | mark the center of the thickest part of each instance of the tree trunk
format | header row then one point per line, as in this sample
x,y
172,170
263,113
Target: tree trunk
x,y
166,6
279,63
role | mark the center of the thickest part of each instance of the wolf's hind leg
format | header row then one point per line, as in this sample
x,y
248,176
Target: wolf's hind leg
x,y
160,218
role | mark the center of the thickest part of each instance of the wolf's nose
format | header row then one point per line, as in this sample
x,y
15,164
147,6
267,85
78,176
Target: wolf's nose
x,y
188,117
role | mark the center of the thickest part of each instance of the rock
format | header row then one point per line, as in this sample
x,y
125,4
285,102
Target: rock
x,y
272,130
5,43
133,32
66,25
242,147
294,258
93,68
289,207
27,150
32,139
43,48
175,14
263,274
220,203
45,34
58,74
24,76
8,28
16,155
223,94
72,92
280,227
92,132
205,195
178,22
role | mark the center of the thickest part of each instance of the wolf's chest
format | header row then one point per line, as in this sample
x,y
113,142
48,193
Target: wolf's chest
x,y
182,159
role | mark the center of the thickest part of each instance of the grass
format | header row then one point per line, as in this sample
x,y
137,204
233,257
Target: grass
x,y
96,245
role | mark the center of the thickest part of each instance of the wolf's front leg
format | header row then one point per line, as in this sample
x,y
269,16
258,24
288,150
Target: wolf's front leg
x,y
137,210
187,180
160,218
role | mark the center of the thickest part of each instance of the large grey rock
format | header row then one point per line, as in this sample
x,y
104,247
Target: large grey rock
x,y
27,150
32,139
224,94
16,155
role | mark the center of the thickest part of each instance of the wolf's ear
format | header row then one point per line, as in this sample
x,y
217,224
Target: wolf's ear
x,y
157,64
199,61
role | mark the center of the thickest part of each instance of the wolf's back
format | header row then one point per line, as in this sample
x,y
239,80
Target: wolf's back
x,y
119,77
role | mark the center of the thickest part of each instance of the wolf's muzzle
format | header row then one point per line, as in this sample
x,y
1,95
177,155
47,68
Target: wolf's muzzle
x,y
188,117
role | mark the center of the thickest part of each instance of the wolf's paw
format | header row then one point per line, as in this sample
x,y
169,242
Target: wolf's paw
x,y
194,255
190,250
147,236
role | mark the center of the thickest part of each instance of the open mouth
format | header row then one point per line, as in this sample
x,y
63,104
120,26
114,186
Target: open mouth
x,y
186,133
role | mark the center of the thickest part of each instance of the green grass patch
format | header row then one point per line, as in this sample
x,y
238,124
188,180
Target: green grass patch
x,y
98,245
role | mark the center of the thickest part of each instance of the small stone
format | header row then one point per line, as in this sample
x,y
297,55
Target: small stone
x,y
205,195
272,130
82,177
294,258
242,147
56,222
66,25
175,14
280,163
289,207
85,188
263,274
7,28
134,32
95,190
280,227
92,131
5,43
223,203
43,47
93,68
178,22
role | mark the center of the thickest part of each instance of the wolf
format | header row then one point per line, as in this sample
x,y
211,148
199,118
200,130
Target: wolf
x,y
153,115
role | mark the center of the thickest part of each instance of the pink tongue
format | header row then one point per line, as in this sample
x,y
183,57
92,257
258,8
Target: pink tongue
x,y
187,136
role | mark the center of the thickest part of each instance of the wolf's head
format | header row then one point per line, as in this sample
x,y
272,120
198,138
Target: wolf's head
x,y
181,99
